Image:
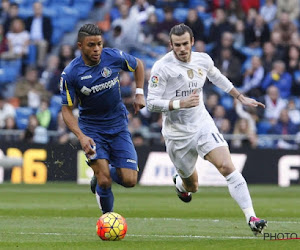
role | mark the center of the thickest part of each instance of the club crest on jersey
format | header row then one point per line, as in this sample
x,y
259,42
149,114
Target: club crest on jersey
x,y
154,81
190,73
86,91
106,72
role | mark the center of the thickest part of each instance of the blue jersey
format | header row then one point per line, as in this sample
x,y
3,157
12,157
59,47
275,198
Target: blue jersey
x,y
98,90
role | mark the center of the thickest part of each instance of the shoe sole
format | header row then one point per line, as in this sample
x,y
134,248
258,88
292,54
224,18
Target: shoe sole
x,y
93,184
189,198
260,227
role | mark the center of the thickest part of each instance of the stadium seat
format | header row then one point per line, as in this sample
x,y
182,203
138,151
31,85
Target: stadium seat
x,y
66,19
227,102
263,127
61,2
25,11
55,102
50,12
9,70
32,53
83,6
160,14
161,50
207,20
54,107
195,3
57,35
180,14
247,51
22,116
29,3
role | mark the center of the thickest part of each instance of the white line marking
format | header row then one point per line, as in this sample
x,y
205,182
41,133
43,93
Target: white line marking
x,y
149,236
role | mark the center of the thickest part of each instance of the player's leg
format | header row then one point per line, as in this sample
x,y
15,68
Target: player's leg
x,y
104,195
237,185
184,156
123,158
186,186
128,176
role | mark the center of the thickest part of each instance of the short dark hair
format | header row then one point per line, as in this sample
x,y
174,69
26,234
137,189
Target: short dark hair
x,y
88,29
180,29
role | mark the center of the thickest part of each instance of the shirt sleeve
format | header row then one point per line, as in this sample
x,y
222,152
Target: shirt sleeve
x,y
67,90
129,62
217,78
156,89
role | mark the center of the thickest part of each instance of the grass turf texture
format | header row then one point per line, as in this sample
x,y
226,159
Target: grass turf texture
x,y
64,216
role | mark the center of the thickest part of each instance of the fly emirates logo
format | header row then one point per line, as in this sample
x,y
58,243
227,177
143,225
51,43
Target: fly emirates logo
x,y
106,85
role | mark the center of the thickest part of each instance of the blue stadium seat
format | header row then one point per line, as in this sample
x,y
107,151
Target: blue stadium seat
x,y
83,6
54,107
66,19
25,11
29,3
160,14
22,116
227,102
263,127
61,2
161,50
195,3
57,35
247,51
207,20
9,70
180,14
55,102
50,12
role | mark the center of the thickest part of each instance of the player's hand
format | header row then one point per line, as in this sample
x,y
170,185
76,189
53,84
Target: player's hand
x,y
138,103
88,146
250,102
191,101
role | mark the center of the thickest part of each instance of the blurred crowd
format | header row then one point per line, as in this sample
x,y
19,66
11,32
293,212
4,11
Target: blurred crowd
x,y
254,43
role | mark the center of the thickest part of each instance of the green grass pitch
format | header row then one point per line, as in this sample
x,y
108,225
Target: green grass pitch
x,y
64,215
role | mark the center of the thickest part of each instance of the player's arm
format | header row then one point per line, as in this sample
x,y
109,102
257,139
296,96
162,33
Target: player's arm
x,y
244,99
221,81
72,123
139,74
67,92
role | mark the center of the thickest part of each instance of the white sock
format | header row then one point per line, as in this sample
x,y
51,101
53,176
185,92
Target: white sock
x,y
98,200
238,190
179,185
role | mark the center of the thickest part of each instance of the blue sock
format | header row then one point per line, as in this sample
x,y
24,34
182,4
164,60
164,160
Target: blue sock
x,y
106,199
114,175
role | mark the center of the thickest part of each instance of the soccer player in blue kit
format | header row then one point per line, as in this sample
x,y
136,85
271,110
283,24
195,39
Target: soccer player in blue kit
x,y
102,126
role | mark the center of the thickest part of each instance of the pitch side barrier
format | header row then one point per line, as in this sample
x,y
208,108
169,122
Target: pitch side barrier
x,y
41,163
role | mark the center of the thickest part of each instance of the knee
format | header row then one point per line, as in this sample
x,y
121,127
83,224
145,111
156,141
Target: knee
x,y
129,182
103,181
225,168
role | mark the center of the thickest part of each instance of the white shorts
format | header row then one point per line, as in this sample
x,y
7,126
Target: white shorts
x,y
184,152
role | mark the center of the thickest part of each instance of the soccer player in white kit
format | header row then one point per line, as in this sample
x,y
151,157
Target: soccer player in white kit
x,y
176,89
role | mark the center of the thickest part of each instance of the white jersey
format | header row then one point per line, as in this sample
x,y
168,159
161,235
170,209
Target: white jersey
x,y
172,79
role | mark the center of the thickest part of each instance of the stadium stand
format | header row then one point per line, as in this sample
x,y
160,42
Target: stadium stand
x,y
68,15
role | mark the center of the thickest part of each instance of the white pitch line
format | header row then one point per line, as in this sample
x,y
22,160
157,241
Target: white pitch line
x,y
193,236
151,236
210,220
175,219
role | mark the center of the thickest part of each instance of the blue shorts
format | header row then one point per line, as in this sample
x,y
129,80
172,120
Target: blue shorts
x,y
118,149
